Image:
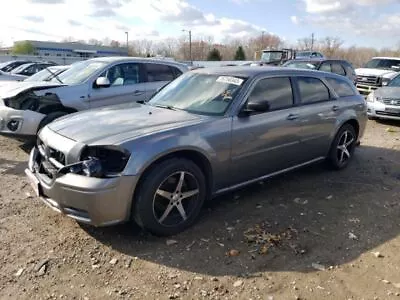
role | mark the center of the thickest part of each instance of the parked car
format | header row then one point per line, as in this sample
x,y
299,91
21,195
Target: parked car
x,y
378,72
11,65
337,66
10,77
309,54
88,84
208,132
47,74
44,75
384,103
30,69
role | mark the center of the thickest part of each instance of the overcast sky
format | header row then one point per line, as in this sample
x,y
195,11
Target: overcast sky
x,y
358,22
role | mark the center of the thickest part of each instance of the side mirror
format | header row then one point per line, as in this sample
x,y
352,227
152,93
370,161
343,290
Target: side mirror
x,y
103,82
256,106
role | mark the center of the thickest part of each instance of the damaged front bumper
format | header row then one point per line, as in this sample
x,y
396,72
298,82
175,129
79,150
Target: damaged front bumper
x,y
15,122
89,200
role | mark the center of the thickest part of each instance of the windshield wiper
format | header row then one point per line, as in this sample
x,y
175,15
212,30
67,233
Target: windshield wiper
x,y
165,106
54,75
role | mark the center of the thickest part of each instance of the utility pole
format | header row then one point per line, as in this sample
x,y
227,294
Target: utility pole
x,y
127,41
190,44
312,41
262,40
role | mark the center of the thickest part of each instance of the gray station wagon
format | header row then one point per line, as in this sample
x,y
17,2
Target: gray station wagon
x,y
205,133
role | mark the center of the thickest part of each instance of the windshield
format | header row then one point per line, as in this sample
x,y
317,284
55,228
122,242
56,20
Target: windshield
x,y
302,65
45,74
20,68
271,56
395,82
378,63
206,94
80,72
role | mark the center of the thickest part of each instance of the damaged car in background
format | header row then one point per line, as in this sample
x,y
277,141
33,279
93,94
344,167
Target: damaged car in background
x,y
26,108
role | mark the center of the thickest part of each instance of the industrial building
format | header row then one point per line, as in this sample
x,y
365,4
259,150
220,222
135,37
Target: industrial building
x,y
74,49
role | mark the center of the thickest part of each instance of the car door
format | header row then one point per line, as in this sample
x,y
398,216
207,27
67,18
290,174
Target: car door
x,y
126,85
157,76
318,110
263,143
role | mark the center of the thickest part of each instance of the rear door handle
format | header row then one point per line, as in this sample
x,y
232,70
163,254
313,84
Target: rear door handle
x,y
335,108
292,117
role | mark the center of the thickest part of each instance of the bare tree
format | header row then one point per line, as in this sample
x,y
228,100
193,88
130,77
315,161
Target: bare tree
x,y
330,45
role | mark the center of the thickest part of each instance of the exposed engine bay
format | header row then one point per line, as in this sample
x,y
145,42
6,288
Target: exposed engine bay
x,y
28,100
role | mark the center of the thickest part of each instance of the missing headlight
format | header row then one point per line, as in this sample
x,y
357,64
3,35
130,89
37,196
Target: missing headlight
x,y
104,161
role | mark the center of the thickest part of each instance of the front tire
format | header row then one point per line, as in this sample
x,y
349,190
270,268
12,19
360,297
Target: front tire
x,y
342,148
170,197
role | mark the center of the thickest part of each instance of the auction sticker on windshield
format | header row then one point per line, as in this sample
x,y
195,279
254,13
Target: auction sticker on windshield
x,y
230,80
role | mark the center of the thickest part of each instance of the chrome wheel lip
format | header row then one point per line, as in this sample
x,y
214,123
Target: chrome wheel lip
x,y
344,147
177,198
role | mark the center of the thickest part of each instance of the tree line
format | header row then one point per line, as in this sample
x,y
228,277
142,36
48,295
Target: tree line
x,y
205,48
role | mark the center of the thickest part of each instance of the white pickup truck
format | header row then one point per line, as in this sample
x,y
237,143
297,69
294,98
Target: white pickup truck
x,y
379,71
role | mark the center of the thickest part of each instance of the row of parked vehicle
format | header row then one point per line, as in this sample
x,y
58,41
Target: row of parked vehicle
x,y
155,140
18,70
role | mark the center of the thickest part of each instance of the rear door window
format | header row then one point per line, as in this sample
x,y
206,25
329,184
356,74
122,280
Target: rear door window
x,y
312,90
159,72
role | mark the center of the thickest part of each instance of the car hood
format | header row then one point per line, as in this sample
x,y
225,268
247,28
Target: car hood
x,y
375,72
388,92
119,123
12,90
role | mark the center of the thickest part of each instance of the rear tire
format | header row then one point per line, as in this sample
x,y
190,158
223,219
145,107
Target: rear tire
x,y
50,118
170,197
342,148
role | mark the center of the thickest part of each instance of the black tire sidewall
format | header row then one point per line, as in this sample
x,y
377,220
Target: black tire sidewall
x,y
143,208
333,159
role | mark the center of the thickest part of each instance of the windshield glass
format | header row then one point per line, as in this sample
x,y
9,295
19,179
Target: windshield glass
x,y
378,63
271,56
303,54
301,65
395,82
206,94
45,74
20,68
80,72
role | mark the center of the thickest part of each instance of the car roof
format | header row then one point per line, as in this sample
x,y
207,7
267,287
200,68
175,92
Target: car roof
x,y
386,57
122,59
247,72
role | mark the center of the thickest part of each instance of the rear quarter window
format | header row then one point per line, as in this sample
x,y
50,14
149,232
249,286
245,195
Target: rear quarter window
x,y
341,87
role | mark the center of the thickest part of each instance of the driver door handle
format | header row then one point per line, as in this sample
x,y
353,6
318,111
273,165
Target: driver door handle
x,y
335,108
292,117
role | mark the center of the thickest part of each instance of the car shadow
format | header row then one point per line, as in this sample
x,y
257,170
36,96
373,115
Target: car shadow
x,y
287,223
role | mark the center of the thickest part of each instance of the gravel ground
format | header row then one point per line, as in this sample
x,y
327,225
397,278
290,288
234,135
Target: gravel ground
x,y
311,234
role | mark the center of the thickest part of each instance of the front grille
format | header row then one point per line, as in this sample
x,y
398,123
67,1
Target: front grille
x,y
386,113
49,160
369,80
391,101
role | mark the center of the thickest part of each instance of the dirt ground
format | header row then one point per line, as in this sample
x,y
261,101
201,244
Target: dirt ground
x,y
311,234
